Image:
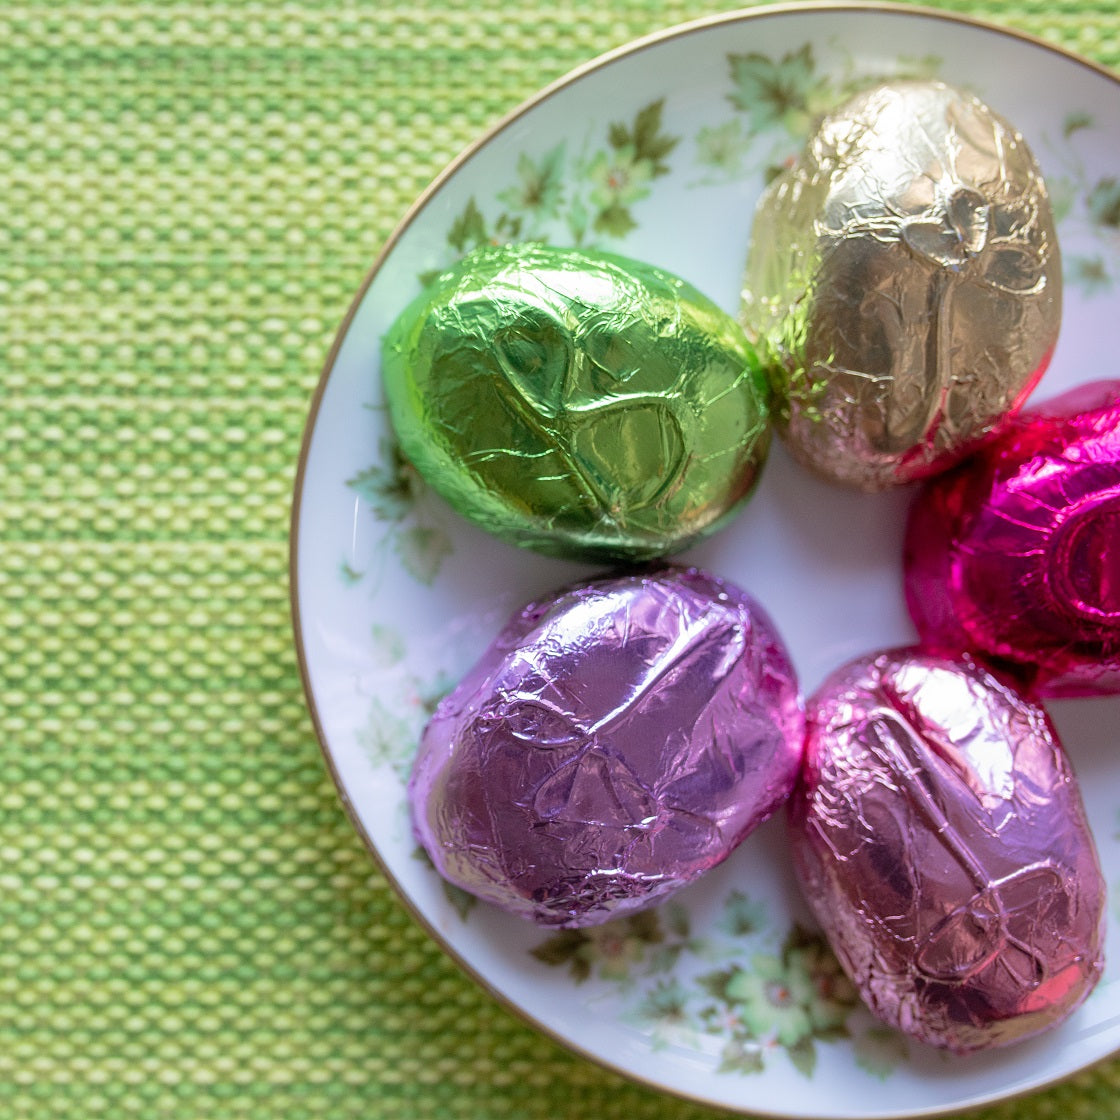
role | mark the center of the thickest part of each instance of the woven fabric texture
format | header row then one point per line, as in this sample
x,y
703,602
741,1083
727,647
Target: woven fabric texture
x,y
190,195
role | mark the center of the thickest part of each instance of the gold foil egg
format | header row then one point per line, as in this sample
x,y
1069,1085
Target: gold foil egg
x,y
904,283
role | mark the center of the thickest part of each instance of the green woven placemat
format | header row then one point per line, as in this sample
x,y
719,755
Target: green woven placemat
x,y
190,194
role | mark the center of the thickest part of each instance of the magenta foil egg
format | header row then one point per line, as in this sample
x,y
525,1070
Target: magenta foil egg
x,y
612,744
940,839
1015,554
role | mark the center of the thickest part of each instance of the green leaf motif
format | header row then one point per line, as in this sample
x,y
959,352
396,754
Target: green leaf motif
x,y
383,491
645,137
564,948
615,220
665,1006
468,230
578,220
775,93
771,172
676,919
913,67
389,739
1063,195
462,902
879,1050
431,696
390,487
740,1057
718,983
350,575
1104,203
393,489
801,937
612,950
803,1054
742,915
722,147
539,190
665,958
1075,122
422,550
1090,274
644,926
507,227
388,645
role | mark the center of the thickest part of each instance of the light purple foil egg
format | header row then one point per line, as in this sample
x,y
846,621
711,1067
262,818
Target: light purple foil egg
x,y
1013,555
611,745
940,840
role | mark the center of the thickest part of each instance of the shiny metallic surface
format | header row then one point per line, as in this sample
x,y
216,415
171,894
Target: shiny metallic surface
x,y
904,279
577,403
1015,554
610,746
940,838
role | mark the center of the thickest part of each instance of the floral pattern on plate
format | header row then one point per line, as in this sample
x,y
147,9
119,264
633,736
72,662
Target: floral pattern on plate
x,y
733,983
1087,208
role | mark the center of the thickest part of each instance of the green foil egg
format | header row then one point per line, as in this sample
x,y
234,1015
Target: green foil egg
x,y
577,403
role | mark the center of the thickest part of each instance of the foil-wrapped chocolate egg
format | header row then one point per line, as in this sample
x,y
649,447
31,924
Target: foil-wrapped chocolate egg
x,y
904,281
1014,554
940,839
577,403
611,745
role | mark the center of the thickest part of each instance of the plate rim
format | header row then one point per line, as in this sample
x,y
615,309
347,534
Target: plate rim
x,y
625,50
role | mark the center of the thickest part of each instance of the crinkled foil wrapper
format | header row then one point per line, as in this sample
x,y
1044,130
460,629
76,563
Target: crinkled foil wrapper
x,y
610,746
939,835
905,279
1014,554
578,403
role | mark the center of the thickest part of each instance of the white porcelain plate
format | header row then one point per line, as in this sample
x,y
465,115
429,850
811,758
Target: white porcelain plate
x,y
659,151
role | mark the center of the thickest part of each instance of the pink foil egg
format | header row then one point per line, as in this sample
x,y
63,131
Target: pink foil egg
x,y
1015,554
939,837
612,744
